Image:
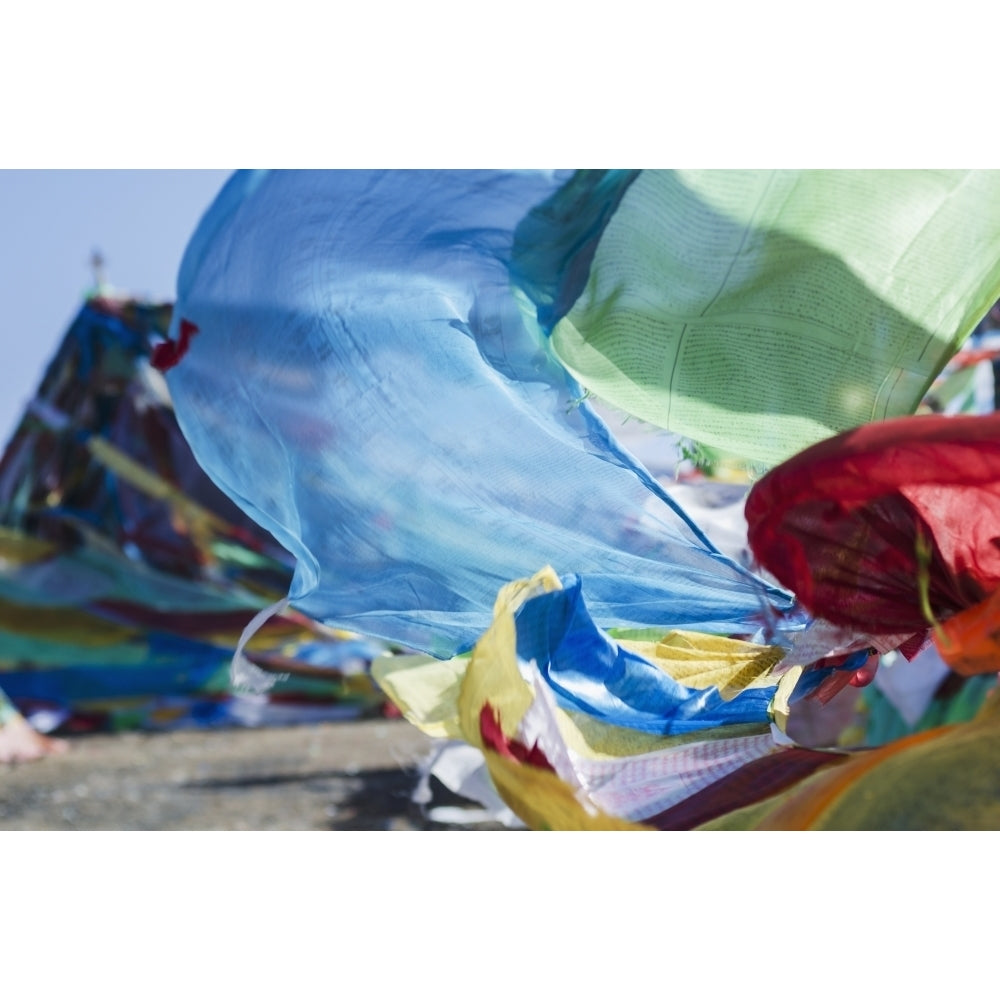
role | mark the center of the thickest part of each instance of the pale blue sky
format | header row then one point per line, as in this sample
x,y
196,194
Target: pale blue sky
x,y
50,223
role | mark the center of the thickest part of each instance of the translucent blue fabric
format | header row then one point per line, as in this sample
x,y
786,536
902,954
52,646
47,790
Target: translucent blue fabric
x,y
365,383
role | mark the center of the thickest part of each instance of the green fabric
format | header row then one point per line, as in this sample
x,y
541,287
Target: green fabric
x,y
761,311
883,723
949,783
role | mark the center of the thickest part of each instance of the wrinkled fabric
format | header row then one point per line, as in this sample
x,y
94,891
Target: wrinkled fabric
x,y
969,642
558,768
573,739
361,378
854,524
760,311
590,672
389,371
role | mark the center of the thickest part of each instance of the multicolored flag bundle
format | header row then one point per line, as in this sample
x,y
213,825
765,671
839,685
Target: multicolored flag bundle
x,y
395,373
126,577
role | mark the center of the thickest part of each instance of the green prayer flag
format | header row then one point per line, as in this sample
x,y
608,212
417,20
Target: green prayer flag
x,y
760,311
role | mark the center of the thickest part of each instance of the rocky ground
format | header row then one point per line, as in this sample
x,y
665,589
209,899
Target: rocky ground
x,y
332,776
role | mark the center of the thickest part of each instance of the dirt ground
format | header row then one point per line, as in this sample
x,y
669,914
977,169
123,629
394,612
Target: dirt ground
x,y
355,775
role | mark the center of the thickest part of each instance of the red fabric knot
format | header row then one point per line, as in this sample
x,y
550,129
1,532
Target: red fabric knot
x,y
168,353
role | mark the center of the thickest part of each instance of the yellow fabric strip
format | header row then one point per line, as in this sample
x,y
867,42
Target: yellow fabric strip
x,y
425,690
141,478
701,661
62,624
19,548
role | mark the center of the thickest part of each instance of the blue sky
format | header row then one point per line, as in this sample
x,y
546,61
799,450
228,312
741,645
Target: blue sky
x,y
50,223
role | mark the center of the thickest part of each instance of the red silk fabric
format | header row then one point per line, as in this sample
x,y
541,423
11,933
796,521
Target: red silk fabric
x,y
842,523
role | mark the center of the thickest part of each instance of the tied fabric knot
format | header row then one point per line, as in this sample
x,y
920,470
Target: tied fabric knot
x,y
169,352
